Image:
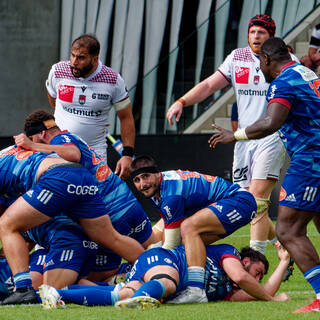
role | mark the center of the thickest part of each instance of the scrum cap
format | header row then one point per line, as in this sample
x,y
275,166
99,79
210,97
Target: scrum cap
x,y
263,21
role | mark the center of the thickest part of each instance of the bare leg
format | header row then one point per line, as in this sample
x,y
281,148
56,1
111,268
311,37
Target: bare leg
x,y
291,230
19,217
59,278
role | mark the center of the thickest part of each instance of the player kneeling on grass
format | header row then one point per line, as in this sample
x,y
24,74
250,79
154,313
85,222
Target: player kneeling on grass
x,y
160,274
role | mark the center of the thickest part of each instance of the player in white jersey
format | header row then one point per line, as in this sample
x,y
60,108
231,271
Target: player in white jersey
x,y
256,164
82,91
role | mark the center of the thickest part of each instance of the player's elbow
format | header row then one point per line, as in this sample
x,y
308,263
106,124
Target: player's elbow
x,y
240,278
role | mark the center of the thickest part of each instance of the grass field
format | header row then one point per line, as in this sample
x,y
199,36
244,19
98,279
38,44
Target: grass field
x,y
299,290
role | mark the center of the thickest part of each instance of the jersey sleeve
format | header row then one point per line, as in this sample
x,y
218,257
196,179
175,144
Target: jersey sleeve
x,y
51,83
172,211
280,92
226,67
62,139
120,92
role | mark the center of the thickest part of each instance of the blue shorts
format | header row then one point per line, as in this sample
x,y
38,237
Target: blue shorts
x,y
69,190
71,249
300,192
152,258
235,211
37,259
134,224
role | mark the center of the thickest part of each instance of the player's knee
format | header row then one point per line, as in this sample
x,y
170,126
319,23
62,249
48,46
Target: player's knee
x,y
187,227
283,233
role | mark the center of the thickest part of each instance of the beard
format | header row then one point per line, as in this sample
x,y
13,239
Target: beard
x,y
81,73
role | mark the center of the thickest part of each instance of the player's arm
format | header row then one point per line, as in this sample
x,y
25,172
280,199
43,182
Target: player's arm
x,y
68,152
51,100
270,123
128,135
251,288
197,94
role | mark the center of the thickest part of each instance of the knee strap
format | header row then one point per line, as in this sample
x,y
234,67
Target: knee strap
x,y
163,275
262,204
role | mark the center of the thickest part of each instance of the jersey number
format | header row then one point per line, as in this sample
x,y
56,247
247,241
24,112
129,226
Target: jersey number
x,y
315,86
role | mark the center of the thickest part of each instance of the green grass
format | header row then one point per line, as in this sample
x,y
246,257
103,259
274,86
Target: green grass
x,y
298,289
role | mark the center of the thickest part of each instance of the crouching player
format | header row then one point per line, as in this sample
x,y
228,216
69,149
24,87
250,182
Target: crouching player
x,y
162,274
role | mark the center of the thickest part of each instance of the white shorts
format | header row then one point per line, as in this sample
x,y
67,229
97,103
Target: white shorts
x,y
258,159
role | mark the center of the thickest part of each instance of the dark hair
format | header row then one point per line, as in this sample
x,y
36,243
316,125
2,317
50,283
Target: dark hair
x,y
276,49
89,42
142,161
36,120
255,256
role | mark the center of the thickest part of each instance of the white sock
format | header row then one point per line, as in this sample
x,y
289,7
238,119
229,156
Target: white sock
x,y
259,245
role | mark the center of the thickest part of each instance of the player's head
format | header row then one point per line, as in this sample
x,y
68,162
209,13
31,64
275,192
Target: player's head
x,y
84,55
38,123
274,54
254,262
145,175
261,27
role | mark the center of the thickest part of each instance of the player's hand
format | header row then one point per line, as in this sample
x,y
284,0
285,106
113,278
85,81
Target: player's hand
x,y
21,140
223,136
123,166
175,110
282,253
281,297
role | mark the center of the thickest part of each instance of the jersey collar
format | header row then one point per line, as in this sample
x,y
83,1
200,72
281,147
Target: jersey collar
x,y
288,65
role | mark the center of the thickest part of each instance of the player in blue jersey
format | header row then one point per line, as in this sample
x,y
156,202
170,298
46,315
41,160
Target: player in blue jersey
x,y
160,274
50,185
67,253
197,207
294,110
126,213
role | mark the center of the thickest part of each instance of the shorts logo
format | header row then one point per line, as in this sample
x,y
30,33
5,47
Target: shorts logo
x,y
103,172
65,93
234,216
282,194
240,174
82,190
44,196
89,244
50,263
291,198
66,255
152,259
138,228
256,79
242,75
310,193
29,193
167,260
218,207
82,99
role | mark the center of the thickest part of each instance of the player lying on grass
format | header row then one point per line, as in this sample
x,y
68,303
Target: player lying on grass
x,y
160,274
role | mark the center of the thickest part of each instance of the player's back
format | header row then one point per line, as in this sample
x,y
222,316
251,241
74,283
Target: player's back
x,y
299,87
18,169
197,189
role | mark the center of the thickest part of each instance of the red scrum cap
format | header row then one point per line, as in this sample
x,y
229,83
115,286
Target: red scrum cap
x,y
263,21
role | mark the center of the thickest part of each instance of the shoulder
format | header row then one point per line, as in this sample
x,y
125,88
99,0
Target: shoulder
x,y
62,70
243,54
106,75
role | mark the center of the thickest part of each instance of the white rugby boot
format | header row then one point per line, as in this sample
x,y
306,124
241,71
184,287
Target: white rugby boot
x,y
189,295
50,297
142,302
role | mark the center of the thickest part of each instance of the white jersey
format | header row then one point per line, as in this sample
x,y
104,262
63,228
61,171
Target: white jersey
x,y
83,104
242,69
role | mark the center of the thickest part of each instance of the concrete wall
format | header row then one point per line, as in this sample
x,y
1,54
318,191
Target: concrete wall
x,y
29,45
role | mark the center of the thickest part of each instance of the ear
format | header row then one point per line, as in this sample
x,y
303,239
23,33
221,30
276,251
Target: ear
x,y
246,261
267,59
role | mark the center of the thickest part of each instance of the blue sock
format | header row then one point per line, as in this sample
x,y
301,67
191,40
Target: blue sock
x,y
84,286
22,279
92,296
313,277
152,288
196,277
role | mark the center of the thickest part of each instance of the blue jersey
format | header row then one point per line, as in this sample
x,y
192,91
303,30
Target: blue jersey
x,y
115,193
298,89
18,170
183,193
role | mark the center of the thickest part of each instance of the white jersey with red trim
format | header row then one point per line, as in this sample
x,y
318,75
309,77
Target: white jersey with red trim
x,y
242,69
83,104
